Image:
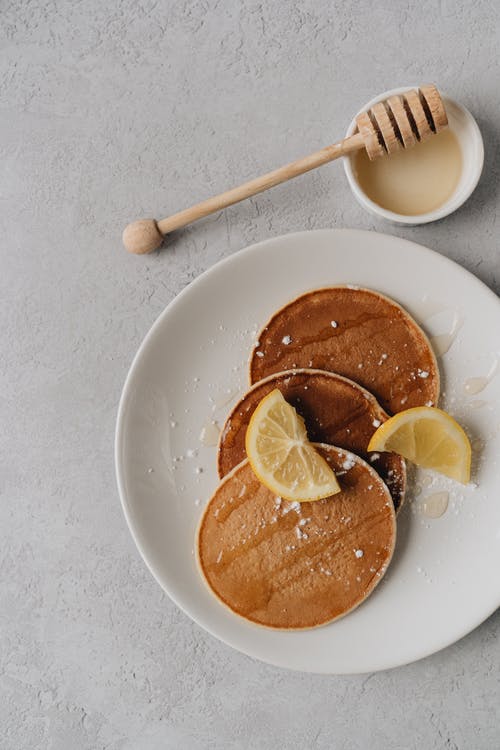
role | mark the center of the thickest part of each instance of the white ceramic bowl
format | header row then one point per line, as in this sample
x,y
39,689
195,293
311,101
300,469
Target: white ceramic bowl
x,y
465,128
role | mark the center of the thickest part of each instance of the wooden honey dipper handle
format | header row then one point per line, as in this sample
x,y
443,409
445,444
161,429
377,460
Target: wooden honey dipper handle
x,y
147,234
384,129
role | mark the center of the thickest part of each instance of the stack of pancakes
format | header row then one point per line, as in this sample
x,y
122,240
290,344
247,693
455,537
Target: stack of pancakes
x,y
345,358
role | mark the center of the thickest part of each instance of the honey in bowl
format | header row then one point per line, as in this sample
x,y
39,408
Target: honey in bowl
x,y
412,181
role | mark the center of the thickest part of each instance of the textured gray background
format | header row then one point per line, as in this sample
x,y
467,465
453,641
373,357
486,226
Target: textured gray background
x,y
110,111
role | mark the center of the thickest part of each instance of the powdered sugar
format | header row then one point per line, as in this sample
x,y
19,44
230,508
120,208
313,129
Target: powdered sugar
x,y
292,506
348,463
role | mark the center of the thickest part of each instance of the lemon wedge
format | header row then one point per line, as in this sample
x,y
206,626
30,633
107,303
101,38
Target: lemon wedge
x,y
282,457
428,437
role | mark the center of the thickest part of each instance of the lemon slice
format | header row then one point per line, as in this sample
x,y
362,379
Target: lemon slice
x,y
428,437
282,457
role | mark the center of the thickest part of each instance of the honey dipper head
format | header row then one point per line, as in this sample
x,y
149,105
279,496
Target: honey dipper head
x,y
402,120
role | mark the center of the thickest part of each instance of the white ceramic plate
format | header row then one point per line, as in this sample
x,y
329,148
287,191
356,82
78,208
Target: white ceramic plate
x,y
191,367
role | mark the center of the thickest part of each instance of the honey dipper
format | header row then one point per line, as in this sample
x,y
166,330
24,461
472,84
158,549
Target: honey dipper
x,y
396,123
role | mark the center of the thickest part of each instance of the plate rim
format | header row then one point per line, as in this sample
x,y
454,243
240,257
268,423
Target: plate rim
x,y
126,392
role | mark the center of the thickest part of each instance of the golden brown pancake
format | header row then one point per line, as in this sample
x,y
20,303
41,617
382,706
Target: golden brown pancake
x,y
297,565
357,333
335,410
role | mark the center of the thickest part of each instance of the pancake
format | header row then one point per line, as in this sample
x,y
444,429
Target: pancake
x,y
357,333
336,411
297,565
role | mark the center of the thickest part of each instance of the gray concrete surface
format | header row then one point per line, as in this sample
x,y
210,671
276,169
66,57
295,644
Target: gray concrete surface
x,y
114,110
